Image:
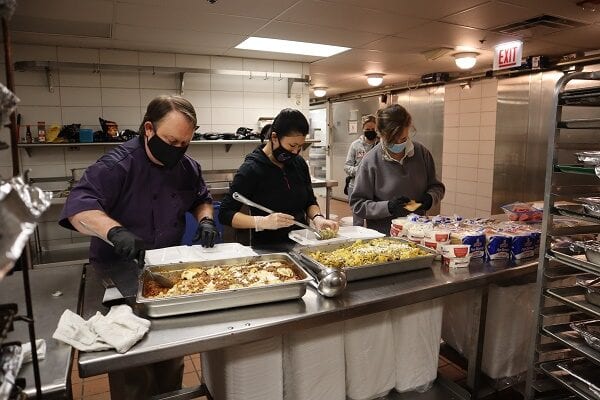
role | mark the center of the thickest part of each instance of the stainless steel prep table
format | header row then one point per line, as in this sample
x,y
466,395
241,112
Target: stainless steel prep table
x,y
55,369
183,335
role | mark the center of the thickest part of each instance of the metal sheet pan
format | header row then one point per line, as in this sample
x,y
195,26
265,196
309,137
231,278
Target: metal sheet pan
x,y
372,270
185,304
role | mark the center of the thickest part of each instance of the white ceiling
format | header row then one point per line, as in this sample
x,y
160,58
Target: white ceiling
x,y
386,36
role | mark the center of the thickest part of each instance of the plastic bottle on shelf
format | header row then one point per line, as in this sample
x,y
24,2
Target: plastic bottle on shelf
x,y
28,137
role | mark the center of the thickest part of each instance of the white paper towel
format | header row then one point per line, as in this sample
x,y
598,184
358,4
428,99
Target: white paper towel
x,y
508,327
417,332
370,363
245,372
313,364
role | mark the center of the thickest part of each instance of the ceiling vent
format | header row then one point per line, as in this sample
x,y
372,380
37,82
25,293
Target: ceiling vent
x,y
20,23
538,26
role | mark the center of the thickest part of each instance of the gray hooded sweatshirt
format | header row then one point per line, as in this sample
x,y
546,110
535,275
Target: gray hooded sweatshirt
x,y
380,179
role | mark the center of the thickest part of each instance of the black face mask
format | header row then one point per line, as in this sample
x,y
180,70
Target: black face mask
x,y
370,135
164,152
282,155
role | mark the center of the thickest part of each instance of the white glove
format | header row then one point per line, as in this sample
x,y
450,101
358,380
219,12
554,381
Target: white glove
x,y
322,223
273,221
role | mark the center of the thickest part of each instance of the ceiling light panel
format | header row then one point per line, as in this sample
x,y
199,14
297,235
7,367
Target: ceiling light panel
x,y
290,47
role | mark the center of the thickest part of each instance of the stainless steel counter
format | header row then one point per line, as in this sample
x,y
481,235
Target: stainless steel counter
x,y
178,336
55,369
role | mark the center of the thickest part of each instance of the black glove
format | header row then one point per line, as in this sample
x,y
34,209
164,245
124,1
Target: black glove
x,y
127,245
396,206
207,232
426,202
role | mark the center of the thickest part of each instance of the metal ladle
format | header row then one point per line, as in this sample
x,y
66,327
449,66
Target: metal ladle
x,y
250,203
158,278
332,282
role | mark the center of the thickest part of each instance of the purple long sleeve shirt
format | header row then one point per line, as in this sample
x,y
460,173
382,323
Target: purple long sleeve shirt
x,y
147,199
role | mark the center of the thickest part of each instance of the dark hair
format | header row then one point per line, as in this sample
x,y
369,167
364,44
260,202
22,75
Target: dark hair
x,y
391,121
164,104
289,121
368,118
265,132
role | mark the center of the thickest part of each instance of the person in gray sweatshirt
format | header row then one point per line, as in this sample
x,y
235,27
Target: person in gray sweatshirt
x,y
356,152
395,172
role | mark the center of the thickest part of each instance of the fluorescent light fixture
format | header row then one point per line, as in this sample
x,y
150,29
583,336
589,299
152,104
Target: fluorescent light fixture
x,y
320,91
465,60
290,47
374,79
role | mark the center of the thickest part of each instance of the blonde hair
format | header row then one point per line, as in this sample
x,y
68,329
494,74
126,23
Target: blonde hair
x,y
391,121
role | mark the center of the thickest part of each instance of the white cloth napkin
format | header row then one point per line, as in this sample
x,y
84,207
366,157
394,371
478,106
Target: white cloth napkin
x,y
120,329
40,345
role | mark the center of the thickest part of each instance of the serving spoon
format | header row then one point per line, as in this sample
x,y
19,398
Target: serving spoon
x,y
250,203
158,278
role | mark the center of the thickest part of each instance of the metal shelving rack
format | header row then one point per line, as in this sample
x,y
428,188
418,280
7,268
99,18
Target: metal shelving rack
x,y
8,312
560,300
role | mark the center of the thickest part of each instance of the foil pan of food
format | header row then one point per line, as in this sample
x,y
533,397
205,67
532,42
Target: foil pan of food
x,y
366,258
214,285
591,205
588,157
589,331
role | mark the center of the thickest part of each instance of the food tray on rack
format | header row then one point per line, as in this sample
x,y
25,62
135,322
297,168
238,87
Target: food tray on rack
x,y
575,258
591,286
570,336
591,205
592,123
226,283
564,378
589,331
575,297
371,254
589,96
577,169
306,237
588,158
586,376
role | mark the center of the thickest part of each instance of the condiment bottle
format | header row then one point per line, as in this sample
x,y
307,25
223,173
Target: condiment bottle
x,y
28,136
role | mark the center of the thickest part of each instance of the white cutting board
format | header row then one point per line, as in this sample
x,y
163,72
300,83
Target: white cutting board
x,y
308,238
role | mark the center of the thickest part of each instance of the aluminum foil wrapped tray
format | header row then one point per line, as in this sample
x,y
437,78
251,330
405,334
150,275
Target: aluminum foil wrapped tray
x,y
213,285
366,258
592,289
589,331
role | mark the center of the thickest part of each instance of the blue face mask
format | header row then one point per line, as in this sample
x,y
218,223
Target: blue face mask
x,y
397,148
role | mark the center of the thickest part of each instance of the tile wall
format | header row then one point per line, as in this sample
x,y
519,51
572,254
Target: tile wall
x,y
469,142
222,102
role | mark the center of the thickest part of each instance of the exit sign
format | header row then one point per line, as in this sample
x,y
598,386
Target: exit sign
x,y
508,55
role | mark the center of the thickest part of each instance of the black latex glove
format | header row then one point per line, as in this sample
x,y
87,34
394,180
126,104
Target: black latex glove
x,y
396,206
127,245
426,202
207,232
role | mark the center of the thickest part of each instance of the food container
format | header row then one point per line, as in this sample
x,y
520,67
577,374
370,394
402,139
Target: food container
x,y
440,236
369,270
588,157
524,212
589,331
474,239
398,227
457,262
591,205
592,250
455,250
592,288
307,237
86,135
220,299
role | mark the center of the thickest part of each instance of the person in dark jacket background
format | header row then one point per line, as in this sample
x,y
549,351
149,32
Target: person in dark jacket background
x,y
274,176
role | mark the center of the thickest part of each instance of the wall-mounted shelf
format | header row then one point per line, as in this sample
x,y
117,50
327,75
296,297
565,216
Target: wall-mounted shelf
x,y
228,143
49,66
